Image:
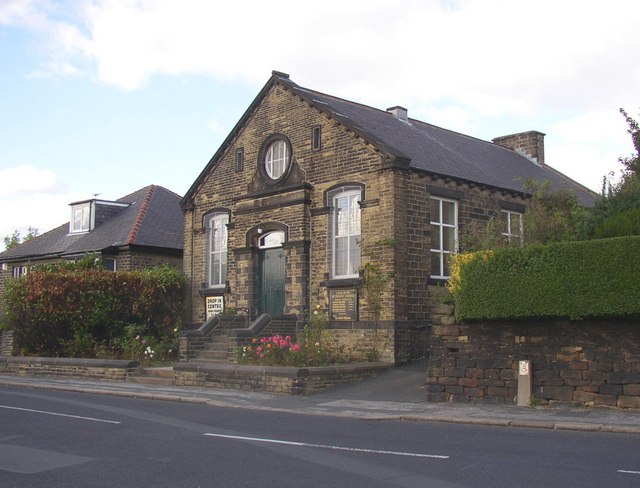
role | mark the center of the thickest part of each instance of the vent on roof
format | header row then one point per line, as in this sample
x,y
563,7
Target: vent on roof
x,y
399,113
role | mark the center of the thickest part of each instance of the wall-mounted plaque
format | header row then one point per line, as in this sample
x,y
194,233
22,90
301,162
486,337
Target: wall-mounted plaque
x,y
215,306
343,304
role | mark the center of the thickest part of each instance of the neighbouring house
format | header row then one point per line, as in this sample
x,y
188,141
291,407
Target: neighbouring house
x,y
140,230
307,188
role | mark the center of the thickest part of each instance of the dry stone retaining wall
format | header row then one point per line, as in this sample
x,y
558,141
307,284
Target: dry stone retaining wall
x,y
591,363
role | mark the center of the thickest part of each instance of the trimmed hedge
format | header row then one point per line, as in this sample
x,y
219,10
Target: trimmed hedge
x,y
598,278
70,310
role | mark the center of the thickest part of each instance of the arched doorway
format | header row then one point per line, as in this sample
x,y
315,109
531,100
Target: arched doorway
x,y
271,273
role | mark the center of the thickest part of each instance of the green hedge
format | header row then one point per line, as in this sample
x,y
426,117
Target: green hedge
x,y
598,278
73,311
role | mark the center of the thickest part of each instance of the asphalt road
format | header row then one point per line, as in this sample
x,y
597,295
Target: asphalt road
x,y
63,439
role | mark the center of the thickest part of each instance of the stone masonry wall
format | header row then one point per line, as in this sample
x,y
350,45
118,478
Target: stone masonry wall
x,y
592,363
6,343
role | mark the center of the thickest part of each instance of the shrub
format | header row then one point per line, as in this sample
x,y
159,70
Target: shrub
x,y
83,311
598,278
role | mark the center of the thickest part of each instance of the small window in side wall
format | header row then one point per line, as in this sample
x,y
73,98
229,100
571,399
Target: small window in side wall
x,y
316,139
20,271
444,235
109,264
240,159
511,226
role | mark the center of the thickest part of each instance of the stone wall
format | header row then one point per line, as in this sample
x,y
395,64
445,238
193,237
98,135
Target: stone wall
x,y
590,363
6,343
274,379
102,369
138,260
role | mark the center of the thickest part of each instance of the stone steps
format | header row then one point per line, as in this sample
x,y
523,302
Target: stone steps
x,y
163,376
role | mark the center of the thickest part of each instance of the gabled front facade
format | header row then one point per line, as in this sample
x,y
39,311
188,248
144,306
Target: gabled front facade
x,y
140,230
308,188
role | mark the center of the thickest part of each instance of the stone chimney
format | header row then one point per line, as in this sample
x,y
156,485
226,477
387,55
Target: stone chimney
x,y
399,113
529,144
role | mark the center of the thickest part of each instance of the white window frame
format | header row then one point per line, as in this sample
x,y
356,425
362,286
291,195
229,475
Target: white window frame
x,y
84,221
20,271
353,233
509,227
275,165
217,222
440,250
115,264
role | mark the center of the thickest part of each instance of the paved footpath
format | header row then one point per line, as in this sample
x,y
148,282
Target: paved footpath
x,y
397,394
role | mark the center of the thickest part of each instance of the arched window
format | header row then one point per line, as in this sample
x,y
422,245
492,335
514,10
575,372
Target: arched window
x,y
345,229
272,239
216,224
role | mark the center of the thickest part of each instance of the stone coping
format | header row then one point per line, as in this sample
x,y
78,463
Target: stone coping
x,y
245,370
66,362
273,379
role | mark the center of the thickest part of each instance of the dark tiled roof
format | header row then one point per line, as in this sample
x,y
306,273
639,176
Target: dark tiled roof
x,y
440,151
152,219
424,146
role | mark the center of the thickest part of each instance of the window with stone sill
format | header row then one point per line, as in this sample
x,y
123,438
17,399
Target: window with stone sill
x,y
345,232
444,235
216,225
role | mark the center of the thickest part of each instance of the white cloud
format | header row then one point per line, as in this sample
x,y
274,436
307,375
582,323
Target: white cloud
x,y
587,147
20,180
496,57
547,65
32,197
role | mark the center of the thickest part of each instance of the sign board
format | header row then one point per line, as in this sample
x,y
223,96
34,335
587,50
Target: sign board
x,y
524,368
343,304
215,306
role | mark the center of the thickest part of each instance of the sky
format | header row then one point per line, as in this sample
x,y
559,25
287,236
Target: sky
x,y
105,97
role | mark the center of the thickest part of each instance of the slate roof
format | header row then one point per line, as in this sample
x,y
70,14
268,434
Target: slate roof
x,y
153,219
424,146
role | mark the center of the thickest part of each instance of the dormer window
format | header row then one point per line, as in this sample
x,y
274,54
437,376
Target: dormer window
x,y
80,218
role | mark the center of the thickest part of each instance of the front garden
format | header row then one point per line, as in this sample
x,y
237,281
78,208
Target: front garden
x,y
80,310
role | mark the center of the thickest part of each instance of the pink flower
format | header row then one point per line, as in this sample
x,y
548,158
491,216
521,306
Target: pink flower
x,y
259,348
261,356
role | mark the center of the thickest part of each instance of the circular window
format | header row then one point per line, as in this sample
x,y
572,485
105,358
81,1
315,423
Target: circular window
x,y
276,159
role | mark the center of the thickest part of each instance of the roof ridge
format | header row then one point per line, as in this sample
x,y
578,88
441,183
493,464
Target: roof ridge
x,y
142,212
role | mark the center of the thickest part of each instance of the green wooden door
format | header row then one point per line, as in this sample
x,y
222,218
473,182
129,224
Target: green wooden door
x,y
272,278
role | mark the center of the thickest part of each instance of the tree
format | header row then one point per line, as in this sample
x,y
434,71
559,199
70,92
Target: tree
x,y
632,163
552,215
14,240
617,213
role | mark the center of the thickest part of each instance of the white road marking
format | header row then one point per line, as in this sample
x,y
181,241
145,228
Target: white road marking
x,y
628,472
60,414
323,446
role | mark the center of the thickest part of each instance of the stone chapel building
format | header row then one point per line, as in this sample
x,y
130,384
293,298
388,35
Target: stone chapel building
x,y
308,188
